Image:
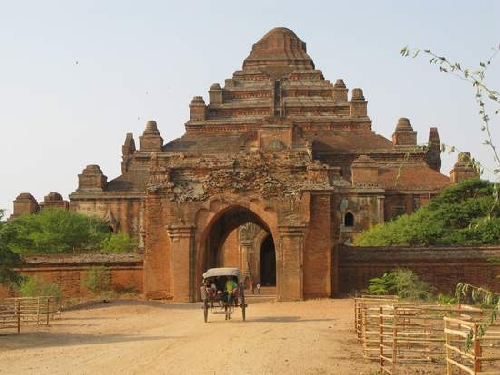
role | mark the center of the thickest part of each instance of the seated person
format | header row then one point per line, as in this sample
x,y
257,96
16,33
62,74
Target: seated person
x,y
213,288
232,290
215,293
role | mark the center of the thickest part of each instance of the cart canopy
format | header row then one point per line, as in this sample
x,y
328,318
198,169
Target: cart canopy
x,y
222,271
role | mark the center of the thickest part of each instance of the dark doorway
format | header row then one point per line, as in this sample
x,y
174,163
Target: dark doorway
x,y
268,262
349,219
218,252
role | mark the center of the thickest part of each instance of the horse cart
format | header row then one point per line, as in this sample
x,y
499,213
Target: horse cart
x,y
222,290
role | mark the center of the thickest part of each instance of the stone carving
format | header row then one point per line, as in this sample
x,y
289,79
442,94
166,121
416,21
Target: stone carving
x,y
248,231
271,174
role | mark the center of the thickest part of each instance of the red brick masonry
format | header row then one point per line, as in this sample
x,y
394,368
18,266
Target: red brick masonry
x,y
69,270
443,267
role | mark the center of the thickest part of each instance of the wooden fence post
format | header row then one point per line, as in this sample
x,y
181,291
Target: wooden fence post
x,y
17,309
48,309
381,339
394,338
447,346
38,311
477,350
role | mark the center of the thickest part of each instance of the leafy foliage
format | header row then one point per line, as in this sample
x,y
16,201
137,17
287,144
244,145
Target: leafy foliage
x,y
36,287
446,299
8,259
98,280
403,283
116,243
466,213
54,231
487,98
487,299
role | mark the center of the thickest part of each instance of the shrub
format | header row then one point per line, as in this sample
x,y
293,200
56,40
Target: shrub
x,y
116,243
403,283
446,299
36,287
97,280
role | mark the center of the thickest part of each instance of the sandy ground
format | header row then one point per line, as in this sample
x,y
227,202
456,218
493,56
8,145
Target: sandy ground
x,y
146,337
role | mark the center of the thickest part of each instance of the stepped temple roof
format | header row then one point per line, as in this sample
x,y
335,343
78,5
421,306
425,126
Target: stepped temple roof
x,y
280,102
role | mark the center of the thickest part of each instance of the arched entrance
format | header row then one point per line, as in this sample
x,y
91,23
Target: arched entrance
x,y
238,237
211,239
268,262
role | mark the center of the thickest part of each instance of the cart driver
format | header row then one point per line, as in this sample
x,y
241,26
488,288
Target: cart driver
x,y
231,288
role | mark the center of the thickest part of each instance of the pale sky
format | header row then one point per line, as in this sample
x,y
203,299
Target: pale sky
x,y
76,76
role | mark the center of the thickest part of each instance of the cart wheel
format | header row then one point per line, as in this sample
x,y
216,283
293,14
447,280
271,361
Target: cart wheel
x,y
205,311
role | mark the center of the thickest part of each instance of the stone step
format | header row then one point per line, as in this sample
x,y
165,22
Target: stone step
x,y
267,293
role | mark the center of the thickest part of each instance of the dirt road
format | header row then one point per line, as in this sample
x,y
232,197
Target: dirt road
x,y
144,337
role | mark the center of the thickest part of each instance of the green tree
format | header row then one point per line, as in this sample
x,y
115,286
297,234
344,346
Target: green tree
x,y
466,213
54,231
116,243
8,259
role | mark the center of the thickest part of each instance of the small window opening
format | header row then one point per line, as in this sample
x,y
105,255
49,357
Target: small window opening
x,y
349,219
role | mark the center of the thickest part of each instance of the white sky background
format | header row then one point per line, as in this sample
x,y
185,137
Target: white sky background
x,y
76,76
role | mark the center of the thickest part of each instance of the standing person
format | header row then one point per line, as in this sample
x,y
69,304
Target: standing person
x,y
258,287
205,290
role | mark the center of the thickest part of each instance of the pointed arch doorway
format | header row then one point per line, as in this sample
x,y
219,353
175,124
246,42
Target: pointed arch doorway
x,y
238,237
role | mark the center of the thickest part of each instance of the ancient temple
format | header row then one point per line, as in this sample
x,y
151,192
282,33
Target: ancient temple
x,y
278,168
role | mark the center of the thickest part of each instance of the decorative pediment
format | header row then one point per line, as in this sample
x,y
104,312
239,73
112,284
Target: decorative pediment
x,y
112,221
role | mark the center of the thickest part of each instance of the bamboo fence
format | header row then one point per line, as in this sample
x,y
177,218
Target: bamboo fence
x,y
366,320
15,312
411,336
469,352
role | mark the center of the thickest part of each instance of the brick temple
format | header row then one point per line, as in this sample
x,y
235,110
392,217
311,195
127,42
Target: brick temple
x,y
275,171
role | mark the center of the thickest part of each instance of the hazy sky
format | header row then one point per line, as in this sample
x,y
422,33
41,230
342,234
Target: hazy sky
x,y
76,76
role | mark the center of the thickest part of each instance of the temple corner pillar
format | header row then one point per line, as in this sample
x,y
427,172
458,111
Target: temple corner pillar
x,y
182,260
289,263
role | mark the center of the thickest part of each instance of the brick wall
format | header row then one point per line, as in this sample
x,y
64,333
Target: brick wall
x,y
157,256
230,251
443,267
69,270
317,261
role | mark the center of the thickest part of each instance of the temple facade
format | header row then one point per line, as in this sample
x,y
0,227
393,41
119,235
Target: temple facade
x,y
278,168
